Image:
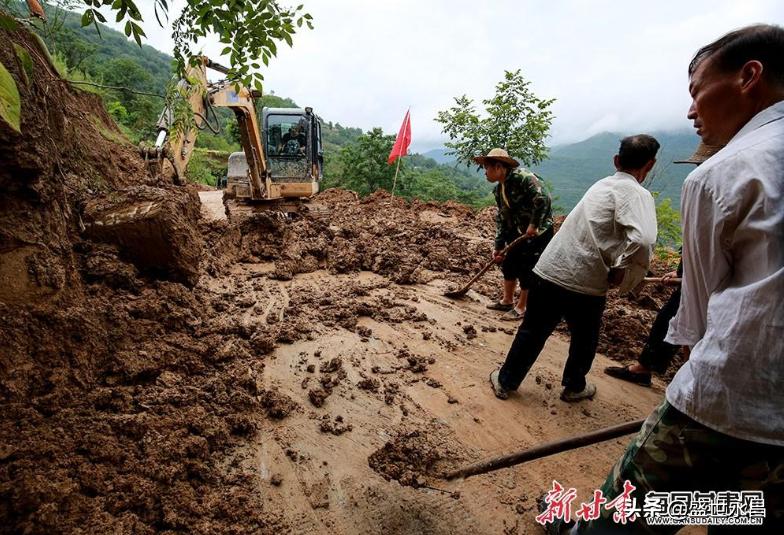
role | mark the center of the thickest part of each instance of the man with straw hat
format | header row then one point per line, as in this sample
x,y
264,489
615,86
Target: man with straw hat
x,y
524,207
657,354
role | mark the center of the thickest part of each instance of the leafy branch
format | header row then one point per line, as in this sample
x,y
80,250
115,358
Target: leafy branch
x,y
515,120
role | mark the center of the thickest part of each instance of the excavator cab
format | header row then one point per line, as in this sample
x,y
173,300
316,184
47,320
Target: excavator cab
x,y
293,150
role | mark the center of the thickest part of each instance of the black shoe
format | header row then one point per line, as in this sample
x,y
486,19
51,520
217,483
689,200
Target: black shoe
x,y
623,373
503,307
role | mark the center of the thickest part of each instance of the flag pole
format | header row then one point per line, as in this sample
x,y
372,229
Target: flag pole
x,y
403,128
394,182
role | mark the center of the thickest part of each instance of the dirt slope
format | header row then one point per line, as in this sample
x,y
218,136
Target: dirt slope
x,y
166,371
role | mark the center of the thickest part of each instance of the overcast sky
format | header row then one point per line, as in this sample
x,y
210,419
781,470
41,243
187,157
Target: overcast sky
x,y
611,65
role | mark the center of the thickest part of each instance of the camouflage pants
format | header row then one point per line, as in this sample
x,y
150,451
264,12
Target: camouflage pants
x,y
672,452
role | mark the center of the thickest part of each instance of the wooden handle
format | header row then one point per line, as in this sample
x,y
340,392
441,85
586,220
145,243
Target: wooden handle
x,y
671,280
545,450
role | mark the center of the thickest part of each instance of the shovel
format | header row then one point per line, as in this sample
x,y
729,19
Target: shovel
x,y
456,294
545,450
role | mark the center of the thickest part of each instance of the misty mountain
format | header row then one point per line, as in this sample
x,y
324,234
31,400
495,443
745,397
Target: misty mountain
x,y
572,168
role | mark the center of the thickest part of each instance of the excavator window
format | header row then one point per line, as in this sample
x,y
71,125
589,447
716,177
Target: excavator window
x,y
287,137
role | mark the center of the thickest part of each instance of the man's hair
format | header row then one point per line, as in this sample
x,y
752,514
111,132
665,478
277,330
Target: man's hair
x,y
761,42
636,151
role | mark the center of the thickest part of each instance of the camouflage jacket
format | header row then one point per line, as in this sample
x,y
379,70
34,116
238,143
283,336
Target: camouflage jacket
x,y
522,200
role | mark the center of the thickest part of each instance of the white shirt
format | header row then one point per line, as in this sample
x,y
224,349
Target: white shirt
x,y
732,299
613,225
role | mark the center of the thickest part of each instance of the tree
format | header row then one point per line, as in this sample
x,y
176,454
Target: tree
x,y
364,163
516,120
250,29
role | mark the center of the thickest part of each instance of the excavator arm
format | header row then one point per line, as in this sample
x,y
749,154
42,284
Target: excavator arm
x,y
176,144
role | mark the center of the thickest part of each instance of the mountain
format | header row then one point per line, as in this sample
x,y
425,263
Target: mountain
x,y
572,168
440,156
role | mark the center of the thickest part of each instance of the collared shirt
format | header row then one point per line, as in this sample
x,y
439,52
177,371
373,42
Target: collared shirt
x,y
613,226
732,300
522,200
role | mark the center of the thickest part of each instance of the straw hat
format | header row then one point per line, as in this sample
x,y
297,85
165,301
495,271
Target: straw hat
x,y
497,154
701,153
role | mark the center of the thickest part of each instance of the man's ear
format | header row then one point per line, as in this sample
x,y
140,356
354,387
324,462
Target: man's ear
x,y
751,74
616,162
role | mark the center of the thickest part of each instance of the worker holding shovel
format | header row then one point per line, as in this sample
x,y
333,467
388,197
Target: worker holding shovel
x,y
524,208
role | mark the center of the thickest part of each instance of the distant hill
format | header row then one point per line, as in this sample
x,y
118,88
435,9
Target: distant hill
x,y
573,167
439,155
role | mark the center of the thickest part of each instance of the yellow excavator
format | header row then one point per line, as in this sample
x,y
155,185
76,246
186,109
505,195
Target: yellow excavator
x,y
281,163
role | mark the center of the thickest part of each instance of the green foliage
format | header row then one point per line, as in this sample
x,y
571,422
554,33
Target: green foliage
x,y
26,62
363,164
250,29
206,167
219,142
10,105
668,221
118,112
515,120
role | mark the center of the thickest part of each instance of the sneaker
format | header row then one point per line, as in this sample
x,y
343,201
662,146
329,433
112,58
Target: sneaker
x,y
503,307
625,374
499,391
586,393
513,315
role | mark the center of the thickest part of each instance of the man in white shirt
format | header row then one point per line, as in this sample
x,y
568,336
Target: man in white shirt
x,y
607,237
721,426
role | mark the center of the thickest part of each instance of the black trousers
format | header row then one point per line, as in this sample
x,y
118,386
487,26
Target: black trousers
x,y
657,354
548,304
520,261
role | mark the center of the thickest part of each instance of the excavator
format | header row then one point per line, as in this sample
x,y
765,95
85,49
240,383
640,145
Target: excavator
x,y
281,163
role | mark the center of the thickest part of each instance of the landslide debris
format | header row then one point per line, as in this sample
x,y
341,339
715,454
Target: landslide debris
x,y
120,402
133,344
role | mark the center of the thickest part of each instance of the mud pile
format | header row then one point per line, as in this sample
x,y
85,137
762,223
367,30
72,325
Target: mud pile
x,y
408,459
121,399
417,242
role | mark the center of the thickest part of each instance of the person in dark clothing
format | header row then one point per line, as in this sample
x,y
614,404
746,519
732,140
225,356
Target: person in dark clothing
x,y
524,208
657,354
293,141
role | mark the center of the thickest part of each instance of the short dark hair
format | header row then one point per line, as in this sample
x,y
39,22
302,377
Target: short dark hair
x,y
636,151
761,42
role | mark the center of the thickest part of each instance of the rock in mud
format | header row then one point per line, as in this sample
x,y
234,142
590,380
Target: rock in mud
x,y
318,396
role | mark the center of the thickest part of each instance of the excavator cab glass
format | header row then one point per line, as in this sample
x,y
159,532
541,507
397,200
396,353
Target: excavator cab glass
x,y
293,144
287,137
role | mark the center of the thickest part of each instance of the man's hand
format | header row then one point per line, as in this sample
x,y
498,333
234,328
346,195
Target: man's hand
x,y
497,256
615,277
531,231
670,275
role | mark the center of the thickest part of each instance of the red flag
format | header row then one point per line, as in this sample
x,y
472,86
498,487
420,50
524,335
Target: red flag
x,y
402,141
